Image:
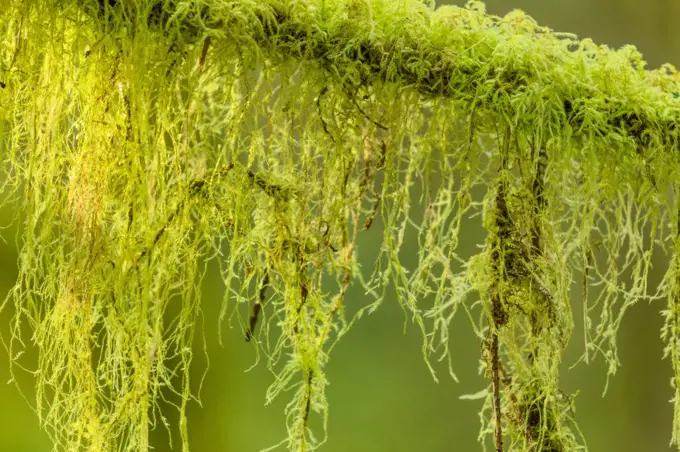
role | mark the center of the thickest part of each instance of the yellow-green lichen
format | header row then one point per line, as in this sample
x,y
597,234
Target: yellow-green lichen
x,y
141,139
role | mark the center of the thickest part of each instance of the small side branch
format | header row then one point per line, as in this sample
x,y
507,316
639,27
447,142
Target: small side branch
x,y
379,125
204,53
324,124
307,410
304,292
257,307
308,401
369,174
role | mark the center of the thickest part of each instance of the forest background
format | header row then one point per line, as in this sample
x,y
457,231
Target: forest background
x,y
380,391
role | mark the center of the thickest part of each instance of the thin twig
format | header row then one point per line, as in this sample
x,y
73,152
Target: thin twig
x,y
324,124
308,408
368,117
204,53
304,292
495,371
257,307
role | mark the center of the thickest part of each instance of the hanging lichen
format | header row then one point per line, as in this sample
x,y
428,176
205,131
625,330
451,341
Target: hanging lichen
x,y
142,139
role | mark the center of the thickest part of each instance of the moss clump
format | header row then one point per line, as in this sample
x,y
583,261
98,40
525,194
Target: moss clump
x,y
142,139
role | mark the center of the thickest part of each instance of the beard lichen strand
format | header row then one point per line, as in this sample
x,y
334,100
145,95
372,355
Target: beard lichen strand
x,y
673,349
532,412
514,264
670,331
88,187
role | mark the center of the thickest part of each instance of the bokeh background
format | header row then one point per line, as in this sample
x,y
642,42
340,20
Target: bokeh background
x,y
381,394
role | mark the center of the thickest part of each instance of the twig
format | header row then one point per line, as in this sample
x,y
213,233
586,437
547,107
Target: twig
x,y
368,117
495,371
257,307
308,408
303,300
204,53
308,404
324,124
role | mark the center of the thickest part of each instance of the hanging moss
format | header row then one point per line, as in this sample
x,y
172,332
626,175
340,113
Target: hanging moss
x,y
142,139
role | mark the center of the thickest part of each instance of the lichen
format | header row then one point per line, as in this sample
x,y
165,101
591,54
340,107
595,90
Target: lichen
x,y
142,139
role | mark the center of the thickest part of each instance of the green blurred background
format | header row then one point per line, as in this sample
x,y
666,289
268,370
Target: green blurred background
x,y
381,394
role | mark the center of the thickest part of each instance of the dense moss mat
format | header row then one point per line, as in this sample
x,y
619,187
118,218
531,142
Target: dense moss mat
x,y
141,139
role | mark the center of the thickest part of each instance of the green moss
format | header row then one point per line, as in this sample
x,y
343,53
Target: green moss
x,y
143,139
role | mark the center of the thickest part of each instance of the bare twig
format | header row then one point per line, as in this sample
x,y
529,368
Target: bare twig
x,y
495,372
